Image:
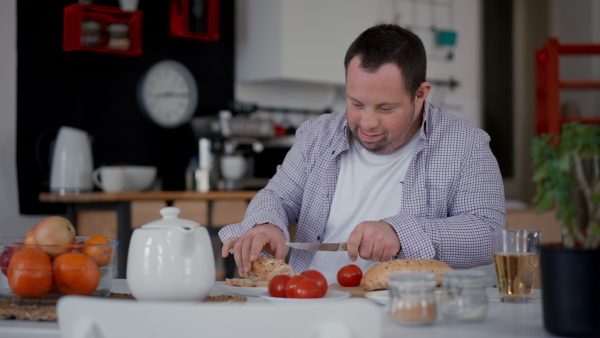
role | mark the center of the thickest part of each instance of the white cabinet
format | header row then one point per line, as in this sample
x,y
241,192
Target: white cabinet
x,y
298,40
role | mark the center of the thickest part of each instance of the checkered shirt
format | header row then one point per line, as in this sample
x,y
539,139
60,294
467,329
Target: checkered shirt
x,y
453,195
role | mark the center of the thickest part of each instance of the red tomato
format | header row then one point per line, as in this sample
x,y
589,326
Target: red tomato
x,y
319,278
277,286
308,288
350,275
292,284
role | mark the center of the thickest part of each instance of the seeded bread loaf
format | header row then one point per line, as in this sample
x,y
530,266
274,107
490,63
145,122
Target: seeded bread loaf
x,y
376,278
265,268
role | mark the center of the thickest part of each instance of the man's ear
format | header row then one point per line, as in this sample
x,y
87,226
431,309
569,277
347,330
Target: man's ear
x,y
422,92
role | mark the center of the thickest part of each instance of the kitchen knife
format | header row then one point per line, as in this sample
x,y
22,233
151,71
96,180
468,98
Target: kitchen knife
x,y
318,246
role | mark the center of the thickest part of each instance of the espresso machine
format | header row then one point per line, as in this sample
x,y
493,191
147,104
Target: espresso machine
x,y
239,147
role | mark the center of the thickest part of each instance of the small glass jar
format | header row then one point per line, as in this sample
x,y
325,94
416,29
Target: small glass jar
x,y
118,40
90,33
412,298
464,297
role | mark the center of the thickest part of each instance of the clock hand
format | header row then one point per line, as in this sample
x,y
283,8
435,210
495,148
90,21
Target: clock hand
x,y
171,94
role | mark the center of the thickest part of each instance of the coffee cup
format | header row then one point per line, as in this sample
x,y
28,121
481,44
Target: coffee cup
x,y
110,178
233,167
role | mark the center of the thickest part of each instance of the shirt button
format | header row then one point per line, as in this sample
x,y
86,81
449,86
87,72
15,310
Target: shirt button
x,y
318,238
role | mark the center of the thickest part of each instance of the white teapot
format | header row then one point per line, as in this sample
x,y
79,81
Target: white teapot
x,y
170,259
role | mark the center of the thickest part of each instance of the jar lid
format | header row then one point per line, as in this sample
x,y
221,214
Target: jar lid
x,y
91,25
170,219
464,278
411,280
117,28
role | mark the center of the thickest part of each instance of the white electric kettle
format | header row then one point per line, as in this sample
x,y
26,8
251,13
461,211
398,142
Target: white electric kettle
x,y
72,163
170,259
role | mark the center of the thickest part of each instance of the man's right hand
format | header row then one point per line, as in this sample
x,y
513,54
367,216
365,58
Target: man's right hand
x,y
266,238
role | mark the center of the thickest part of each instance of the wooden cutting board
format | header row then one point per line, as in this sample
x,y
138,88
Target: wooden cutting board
x,y
355,291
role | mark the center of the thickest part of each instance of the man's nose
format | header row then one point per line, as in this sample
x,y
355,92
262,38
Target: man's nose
x,y
369,119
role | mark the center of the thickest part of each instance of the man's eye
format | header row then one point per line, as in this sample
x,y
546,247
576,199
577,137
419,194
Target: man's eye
x,y
385,109
357,105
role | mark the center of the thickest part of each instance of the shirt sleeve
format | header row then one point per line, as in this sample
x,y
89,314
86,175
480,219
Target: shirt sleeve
x,y
475,207
280,201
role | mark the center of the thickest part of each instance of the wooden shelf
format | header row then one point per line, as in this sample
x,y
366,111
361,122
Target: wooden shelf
x,y
99,197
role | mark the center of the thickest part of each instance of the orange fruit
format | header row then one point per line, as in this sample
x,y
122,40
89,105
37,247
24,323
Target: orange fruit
x,y
30,273
99,253
75,273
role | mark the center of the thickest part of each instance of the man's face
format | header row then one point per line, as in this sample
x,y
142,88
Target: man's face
x,y
380,113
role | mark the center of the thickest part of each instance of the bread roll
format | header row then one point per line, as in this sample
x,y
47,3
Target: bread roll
x,y
239,282
376,278
265,268
245,283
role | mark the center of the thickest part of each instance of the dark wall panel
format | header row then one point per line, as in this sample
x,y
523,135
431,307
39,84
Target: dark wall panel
x,y
498,81
97,93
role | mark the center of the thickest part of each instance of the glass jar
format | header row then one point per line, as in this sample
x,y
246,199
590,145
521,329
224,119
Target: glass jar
x,y
412,298
90,33
464,297
118,40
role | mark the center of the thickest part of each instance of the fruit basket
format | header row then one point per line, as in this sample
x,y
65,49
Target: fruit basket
x,y
38,274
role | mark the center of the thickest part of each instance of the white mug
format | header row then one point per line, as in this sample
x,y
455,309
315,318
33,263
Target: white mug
x,y
109,179
128,5
233,167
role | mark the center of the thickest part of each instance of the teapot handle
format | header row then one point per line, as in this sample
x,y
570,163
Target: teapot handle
x,y
45,142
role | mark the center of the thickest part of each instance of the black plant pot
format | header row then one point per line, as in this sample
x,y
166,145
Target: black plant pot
x,y
571,291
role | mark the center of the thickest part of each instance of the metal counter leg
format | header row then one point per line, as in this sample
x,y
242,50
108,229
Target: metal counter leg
x,y
124,231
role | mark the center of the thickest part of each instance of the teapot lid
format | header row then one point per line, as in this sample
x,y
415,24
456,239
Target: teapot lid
x,y
170,219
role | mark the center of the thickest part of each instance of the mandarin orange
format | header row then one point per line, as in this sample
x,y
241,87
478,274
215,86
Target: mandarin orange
x,y
30,273
75,274
101,254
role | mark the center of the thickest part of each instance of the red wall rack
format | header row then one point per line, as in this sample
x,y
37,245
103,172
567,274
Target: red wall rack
x,y
549,84
76,14
179,25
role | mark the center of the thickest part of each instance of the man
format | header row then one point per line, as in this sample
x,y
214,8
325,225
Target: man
x,y
393,175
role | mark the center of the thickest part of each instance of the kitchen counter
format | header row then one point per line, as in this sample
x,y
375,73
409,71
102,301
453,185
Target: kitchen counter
x,y
103,197
504,320
121,203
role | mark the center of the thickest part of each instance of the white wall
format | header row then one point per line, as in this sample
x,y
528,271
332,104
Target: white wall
x,y
11,223
578,22
462,16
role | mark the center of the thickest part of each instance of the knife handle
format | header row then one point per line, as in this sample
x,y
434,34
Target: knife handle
x,y
343,247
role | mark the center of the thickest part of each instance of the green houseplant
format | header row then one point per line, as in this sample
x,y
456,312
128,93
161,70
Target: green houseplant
x,y
567,177
560,170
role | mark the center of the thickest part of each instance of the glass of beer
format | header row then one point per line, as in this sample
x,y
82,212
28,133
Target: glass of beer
x,y
516,256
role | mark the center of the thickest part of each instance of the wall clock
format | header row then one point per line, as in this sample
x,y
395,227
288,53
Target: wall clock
x,y
168,94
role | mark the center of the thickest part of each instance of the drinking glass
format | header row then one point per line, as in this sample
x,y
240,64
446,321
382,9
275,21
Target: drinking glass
x,y
516,256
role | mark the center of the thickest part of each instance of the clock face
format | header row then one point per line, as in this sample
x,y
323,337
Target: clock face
x,y
168,94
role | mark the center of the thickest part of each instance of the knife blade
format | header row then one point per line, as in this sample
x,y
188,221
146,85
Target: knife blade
x,y
318,246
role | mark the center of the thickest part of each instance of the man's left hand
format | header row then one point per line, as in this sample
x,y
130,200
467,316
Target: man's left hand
x,y
375,241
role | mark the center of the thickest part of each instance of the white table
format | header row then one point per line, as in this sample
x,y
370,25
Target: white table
x,y
504,320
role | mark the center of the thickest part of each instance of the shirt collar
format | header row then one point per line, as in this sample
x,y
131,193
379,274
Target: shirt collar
x,y
424,131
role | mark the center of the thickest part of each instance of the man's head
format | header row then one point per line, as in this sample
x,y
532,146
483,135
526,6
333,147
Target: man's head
x,y
387,43
385,87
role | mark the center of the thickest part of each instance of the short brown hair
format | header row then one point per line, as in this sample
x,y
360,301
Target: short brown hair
x,y
388,43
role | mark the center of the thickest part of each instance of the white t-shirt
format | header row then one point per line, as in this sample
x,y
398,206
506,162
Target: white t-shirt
x,y
369,188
